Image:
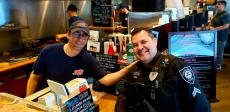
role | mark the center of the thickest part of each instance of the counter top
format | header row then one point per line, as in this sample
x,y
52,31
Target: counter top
x,y
107,28
16,59
18,64
105,101
13,28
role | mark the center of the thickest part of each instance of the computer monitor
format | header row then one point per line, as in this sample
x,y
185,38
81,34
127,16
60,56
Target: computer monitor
x,y
198,49
199,43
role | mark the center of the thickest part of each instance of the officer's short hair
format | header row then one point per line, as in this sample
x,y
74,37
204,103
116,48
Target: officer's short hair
x,y
137,30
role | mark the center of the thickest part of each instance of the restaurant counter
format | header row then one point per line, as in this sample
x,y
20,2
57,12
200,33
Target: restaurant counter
x,y
105,101
15,68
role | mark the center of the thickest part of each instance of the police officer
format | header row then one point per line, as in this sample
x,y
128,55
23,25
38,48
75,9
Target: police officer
x,y
159,83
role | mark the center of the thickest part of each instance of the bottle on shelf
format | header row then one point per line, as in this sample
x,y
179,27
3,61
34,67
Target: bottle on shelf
x,y
117,44
110,49
129,48
123,44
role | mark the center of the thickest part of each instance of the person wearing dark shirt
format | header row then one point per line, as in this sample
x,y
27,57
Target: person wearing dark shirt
x,y
124,12
72,12
64,62
220,22
160,83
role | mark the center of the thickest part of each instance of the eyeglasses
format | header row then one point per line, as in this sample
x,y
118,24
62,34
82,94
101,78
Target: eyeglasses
x,y
80,35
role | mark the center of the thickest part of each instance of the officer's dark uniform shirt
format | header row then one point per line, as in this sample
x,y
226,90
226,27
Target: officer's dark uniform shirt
x,y
175,88
55,65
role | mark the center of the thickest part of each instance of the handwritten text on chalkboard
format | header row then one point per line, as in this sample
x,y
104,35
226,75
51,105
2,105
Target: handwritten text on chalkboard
x,y
102,13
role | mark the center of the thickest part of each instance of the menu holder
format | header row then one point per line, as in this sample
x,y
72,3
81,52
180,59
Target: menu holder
x,y
83,102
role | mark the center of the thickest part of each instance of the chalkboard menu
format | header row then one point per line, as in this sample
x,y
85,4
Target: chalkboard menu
x,y
102,13
107,62
83,102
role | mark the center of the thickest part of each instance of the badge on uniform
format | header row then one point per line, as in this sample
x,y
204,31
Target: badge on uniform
x,y
187,74
152,75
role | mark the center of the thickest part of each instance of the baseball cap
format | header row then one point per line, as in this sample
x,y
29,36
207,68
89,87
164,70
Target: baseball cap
x,y
222,2
122,5
79,26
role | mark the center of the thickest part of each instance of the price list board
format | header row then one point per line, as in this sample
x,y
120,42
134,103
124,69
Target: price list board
x,y
102,13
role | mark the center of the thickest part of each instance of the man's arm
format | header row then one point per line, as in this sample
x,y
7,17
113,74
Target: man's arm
x,y
32,83
60,36
112,78
225,26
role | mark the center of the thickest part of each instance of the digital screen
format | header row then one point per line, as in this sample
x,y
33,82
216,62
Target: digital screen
x,y
199,43
198,48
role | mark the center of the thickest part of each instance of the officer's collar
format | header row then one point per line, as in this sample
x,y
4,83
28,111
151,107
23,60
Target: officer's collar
x,y
155,58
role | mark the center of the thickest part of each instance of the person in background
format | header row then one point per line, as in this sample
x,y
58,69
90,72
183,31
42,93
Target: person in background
x,y
72,12
160,83
124,12
64,62
220,22
123,17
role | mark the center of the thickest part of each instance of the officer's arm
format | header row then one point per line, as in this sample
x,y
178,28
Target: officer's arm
x,y
192,95
112,78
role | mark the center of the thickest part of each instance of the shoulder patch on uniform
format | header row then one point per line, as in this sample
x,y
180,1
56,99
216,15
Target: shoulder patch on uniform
x,y
195,91
187,74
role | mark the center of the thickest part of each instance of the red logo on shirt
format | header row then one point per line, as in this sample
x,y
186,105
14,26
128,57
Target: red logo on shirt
x,y
78,72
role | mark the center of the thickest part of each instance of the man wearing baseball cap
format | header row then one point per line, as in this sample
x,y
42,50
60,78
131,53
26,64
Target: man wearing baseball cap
x,y
64,62
220,22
